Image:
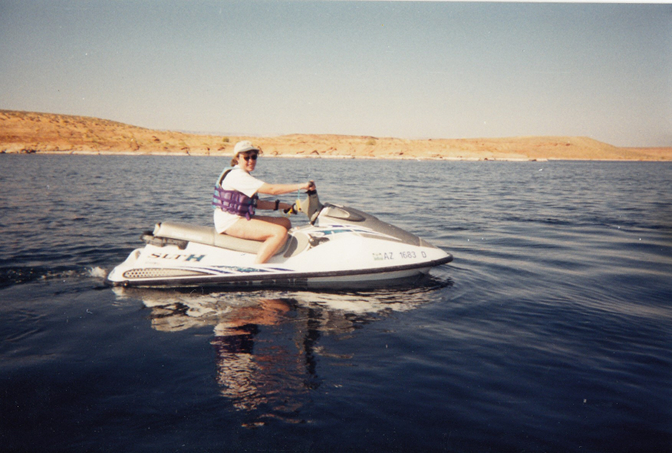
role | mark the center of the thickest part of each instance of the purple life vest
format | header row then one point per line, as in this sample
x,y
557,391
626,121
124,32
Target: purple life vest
x,y
232,201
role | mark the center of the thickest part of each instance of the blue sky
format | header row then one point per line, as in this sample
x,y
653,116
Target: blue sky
x,y
387,69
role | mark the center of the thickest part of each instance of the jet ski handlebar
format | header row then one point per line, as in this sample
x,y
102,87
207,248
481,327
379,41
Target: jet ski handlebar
x,y
310,206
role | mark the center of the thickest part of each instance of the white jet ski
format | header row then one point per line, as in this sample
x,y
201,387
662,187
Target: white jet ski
x,y
341,247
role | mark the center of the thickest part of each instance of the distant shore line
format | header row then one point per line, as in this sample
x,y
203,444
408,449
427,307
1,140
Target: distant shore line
x,y
330,157
56,134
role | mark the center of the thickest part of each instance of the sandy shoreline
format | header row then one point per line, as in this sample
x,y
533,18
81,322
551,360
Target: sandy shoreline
x,y
45,133
289,156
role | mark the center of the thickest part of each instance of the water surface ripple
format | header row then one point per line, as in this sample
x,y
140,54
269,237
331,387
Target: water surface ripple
x,y
550,331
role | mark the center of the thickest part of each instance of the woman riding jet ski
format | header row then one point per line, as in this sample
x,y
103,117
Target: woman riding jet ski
x,y
236,199
341,247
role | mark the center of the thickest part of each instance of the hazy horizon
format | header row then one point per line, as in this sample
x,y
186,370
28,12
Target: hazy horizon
x,y
388,69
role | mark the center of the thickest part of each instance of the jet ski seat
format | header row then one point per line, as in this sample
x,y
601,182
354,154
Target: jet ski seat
x,y
182,233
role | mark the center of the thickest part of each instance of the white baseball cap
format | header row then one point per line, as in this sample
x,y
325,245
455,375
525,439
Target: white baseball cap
x,y
243,147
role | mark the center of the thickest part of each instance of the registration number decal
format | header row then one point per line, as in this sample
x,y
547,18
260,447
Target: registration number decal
x,y
383,256
408,255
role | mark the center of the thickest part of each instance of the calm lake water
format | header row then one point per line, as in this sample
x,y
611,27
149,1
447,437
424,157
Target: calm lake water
x,y
550,331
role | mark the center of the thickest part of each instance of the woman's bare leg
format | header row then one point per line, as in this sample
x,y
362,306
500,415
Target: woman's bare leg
x,y
271,230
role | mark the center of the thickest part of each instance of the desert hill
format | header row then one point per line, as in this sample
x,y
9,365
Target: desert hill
x,y
30,132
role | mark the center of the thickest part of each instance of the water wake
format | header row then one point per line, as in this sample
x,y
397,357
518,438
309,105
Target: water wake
x,y
28,274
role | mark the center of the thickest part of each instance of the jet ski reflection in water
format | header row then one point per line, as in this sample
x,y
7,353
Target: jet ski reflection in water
x,y
341,247
268,345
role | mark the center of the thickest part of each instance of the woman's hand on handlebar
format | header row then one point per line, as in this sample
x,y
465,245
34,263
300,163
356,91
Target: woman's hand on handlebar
x,y
293,209
310,185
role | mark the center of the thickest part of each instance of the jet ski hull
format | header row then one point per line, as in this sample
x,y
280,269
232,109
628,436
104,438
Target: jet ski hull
x,y
345,248
147,275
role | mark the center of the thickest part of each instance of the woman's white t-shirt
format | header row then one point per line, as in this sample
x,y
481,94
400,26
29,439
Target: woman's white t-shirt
x,y
240,180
